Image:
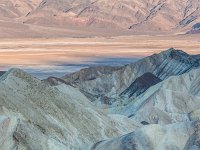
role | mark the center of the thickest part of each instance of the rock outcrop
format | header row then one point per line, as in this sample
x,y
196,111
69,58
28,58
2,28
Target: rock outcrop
x,y
140,85
35,115
173,100
90,73
14,9
161,66
127,14
1,73
180,136
158,108
140,16
195,29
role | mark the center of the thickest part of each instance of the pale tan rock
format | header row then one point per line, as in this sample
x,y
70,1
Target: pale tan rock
x,y
140,16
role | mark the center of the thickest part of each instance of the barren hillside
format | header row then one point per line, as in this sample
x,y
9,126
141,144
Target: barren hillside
x,y
136,16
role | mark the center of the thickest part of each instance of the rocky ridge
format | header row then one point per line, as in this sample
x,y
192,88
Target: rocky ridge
x,y
52,114
128,14
182,136
35,115
157,15
172,100
140,85
110,86
170,111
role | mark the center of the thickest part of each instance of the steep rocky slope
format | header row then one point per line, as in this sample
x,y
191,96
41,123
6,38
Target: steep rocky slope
x,y
151,15
14,9
180,136
154,15
173,100
89,74
171,111
110,86
164,95
195,29
37,116
140,85
1,73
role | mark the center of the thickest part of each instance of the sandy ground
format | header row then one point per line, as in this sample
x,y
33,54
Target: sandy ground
x,y
45,52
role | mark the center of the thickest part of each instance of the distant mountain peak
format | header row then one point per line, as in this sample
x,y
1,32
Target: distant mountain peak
x,y
181,56
156,15
133,79
173,51
17,73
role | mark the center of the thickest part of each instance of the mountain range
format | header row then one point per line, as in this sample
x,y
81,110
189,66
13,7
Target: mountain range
x,y
37,116
150,104
127,15
129,80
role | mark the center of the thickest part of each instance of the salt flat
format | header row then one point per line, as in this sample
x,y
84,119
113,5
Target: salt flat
x,y
50,53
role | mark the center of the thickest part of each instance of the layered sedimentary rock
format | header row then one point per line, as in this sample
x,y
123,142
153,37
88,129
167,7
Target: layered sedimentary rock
x,y
109,86
34,115
157,15
170,112
128,14
173,100
180,136
1,73
14,9
154,104
90,73
140,85
195,29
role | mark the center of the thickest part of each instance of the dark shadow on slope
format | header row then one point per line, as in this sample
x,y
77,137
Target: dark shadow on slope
x,y
140,85
2,72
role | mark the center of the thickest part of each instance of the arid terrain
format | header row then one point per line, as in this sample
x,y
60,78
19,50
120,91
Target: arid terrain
x,y
51,54
99,75
151,104
80,18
